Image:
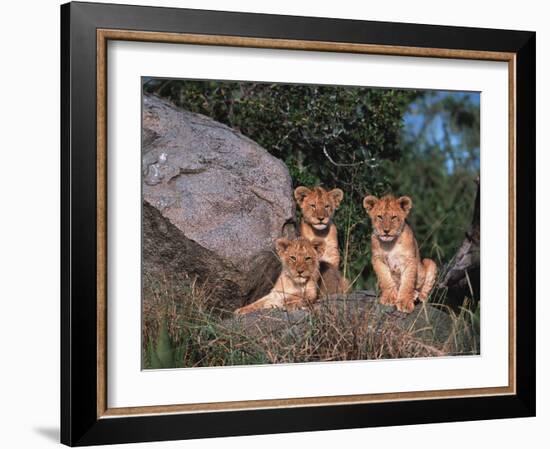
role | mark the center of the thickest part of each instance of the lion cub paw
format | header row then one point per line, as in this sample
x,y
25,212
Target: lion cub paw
x,y
240,311
388,297
423,297
406,306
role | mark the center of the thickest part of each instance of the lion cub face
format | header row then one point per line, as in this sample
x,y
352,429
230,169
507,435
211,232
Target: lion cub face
x,y
318,205
388,215
300,257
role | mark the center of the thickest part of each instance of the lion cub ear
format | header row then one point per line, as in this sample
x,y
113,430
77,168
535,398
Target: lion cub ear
x,y
369,202
337,196
300,193
405,203
281,245
318,246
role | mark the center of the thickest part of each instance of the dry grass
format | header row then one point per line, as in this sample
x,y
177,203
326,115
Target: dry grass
x,y
182,328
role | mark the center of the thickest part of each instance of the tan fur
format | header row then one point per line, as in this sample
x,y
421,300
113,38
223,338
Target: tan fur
x,y
402,276
296,286
318,206
331,280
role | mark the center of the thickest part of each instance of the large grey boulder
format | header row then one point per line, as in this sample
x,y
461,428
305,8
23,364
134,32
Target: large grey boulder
x,y
213,203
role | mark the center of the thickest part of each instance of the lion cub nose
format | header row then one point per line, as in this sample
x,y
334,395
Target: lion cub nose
x,y
386,231
300,271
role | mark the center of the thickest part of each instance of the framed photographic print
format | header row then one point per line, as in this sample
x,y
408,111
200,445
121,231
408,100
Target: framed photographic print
x,y
279,224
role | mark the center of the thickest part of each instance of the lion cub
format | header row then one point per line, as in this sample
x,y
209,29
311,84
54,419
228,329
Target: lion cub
x,y
296,286
318,206
402,275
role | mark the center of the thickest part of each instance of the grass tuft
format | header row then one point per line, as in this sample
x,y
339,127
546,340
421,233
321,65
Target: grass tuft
x,y
182,328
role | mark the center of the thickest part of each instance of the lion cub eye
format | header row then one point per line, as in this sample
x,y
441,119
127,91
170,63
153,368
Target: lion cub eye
x,y
293,258
394,217
312,206
326,206
380,217
308,258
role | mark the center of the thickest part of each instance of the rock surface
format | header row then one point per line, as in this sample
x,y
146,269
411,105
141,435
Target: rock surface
x,y
427,322
213,203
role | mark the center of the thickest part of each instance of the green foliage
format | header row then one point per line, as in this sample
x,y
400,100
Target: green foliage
x,y
306,126
442,202
438,169
162,354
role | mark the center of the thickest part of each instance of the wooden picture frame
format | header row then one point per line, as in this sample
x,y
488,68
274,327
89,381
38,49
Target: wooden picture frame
x,y
86,29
